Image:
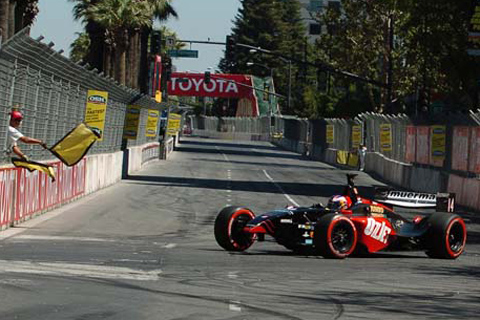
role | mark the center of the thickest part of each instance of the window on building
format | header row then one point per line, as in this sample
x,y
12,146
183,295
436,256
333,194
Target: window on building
x,y
335,5
315,29
315,5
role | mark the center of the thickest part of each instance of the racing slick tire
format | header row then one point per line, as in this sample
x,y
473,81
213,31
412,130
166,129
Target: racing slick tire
x,y
446,237
229,228
335,236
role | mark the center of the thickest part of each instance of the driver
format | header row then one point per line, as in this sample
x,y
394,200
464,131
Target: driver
x,y
338,202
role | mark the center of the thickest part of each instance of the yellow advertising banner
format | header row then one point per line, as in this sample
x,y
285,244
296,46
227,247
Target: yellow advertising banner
x,y
356,136
96,110
173,125
386,137
330,133
342,157
152,123
438,141
132,119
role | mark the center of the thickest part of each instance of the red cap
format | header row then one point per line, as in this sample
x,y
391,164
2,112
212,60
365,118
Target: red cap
x,y
16,115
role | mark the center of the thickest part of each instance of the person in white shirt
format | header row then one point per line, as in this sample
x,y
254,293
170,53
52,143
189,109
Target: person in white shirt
x,y
14,135
362,152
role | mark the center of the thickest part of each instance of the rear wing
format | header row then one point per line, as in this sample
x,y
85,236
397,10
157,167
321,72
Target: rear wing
x,y
444,202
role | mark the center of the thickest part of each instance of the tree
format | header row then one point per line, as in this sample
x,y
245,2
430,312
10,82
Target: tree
x,y
79,47
97,34
272,25
4,12
16,15
120,17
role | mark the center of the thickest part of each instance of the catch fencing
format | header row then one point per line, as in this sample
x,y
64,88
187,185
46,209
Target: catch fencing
x,y
434,153
51,92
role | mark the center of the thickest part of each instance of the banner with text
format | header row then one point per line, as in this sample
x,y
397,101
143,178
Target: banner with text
x,y
385,137
152,123
96,109
132,119
438,142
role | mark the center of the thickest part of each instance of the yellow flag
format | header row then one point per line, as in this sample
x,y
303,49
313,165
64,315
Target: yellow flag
x,y
32,165
75,145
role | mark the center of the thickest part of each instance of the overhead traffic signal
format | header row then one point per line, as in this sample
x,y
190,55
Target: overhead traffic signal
x,y
155,42
207,77
230,45
167,68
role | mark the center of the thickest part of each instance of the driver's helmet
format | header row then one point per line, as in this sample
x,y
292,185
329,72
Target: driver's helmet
x,y
338,202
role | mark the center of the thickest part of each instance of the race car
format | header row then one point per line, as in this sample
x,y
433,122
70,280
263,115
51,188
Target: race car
x,y
350,224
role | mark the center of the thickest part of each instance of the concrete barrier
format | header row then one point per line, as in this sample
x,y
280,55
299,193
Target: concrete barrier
x,y
331,156
103,170
241,136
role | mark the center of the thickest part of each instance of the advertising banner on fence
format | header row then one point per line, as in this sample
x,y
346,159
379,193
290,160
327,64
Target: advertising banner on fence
x,y
152,123
96,110
410,144
460,148
438,140
132,119
173,124
474,155
330,133
385,137
356,136
423,145
7,188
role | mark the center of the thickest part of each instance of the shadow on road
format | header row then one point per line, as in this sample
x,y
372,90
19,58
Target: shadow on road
x,y
291,188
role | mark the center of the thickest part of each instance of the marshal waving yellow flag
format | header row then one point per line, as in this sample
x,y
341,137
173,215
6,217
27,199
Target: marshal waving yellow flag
x,y
75,145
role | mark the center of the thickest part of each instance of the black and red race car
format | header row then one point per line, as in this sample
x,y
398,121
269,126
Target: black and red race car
x,y
366,226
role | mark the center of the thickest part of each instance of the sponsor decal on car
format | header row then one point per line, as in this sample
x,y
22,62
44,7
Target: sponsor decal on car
x,y
376,209
408,199
377,230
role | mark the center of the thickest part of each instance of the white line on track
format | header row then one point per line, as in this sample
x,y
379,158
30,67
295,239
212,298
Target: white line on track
x,y
59,238
234,306
170,245
281,189
77,270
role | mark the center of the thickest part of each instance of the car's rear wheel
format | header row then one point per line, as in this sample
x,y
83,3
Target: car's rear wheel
x,y
229,226
335,236
446,237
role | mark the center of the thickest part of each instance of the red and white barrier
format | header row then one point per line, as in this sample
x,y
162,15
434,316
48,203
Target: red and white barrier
x,y
7,189
35,192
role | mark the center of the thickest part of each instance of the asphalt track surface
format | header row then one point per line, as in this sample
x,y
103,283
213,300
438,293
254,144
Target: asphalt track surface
x,y
145,249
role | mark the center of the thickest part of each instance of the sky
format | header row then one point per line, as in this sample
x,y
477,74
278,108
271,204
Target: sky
x,y
200,20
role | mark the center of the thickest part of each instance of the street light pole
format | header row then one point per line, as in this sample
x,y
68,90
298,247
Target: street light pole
x,y
289,84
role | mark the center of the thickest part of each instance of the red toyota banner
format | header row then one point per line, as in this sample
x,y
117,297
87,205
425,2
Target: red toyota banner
x,y
220,85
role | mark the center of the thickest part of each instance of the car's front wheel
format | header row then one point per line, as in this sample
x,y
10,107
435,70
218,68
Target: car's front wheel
x,y
229,226
335,236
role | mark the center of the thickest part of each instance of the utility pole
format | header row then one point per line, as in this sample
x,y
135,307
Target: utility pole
x,y
390,63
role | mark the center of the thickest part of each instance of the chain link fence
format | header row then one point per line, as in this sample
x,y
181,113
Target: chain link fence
x,y
51,92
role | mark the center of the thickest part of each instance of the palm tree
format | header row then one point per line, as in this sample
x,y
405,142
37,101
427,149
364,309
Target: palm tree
x,y
79,47
120,17
25,12
4,13
96,33
16,15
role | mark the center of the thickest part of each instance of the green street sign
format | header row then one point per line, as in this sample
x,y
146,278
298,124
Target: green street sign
x,y
183,53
